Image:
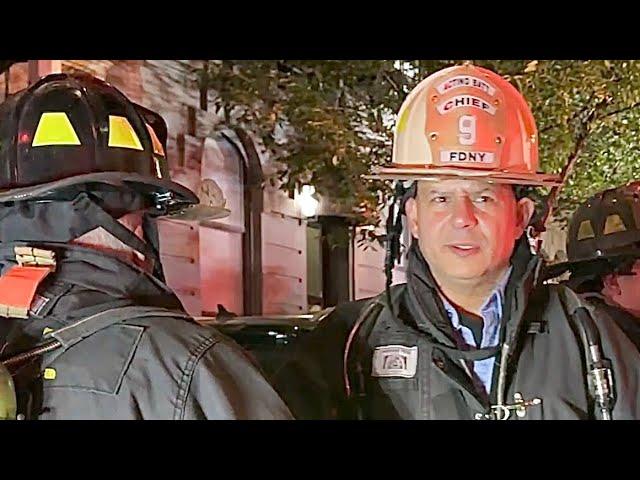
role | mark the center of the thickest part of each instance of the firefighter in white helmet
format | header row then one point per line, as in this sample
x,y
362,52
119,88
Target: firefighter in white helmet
x,y
474,333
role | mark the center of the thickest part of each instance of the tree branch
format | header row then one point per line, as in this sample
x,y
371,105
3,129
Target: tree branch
x,y
605,115
393,83
614,170
575,115
581,140
620,110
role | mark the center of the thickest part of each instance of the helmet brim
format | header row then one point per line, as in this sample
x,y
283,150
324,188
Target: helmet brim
x,y
553,271
200,213
49,190
439,173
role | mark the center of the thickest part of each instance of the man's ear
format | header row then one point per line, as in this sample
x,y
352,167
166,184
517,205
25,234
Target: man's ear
x,y
611,287
411,209
525,208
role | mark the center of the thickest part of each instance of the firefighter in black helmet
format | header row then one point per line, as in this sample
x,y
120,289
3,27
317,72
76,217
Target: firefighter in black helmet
x,y
603,251
91,329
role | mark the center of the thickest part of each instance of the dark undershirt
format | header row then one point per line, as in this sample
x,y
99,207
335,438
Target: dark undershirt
x,y
473,323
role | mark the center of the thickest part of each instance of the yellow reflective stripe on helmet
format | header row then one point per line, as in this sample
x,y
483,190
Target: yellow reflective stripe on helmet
x,y
54,128
402,122
585,230
122,134
614,224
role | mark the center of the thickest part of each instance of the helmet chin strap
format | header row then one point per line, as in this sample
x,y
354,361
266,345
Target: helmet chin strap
x,y
64,221
152,241
115,228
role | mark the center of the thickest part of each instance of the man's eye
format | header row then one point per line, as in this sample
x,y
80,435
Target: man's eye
x,y
484,199
439,199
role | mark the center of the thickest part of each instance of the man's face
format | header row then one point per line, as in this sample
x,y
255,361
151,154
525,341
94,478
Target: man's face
x,y
625,289
467,228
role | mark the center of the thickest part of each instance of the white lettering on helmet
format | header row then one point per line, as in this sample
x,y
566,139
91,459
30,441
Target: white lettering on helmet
x,y
458,156
465,101
465,81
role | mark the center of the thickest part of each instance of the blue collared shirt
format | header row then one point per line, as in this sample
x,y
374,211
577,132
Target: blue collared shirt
x,y
491,319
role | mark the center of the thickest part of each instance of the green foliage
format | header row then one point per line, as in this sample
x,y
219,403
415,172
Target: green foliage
x,y
330,121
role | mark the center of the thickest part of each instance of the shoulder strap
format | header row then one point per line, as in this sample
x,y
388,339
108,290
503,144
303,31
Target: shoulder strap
x,y
70,335
76,332
370,311
572,301
535,321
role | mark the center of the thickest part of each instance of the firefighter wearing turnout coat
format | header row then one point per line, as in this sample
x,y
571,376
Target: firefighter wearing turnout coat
x,y
474,333
91,330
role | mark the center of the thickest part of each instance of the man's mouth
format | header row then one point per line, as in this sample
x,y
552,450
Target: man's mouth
x,y
463,249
